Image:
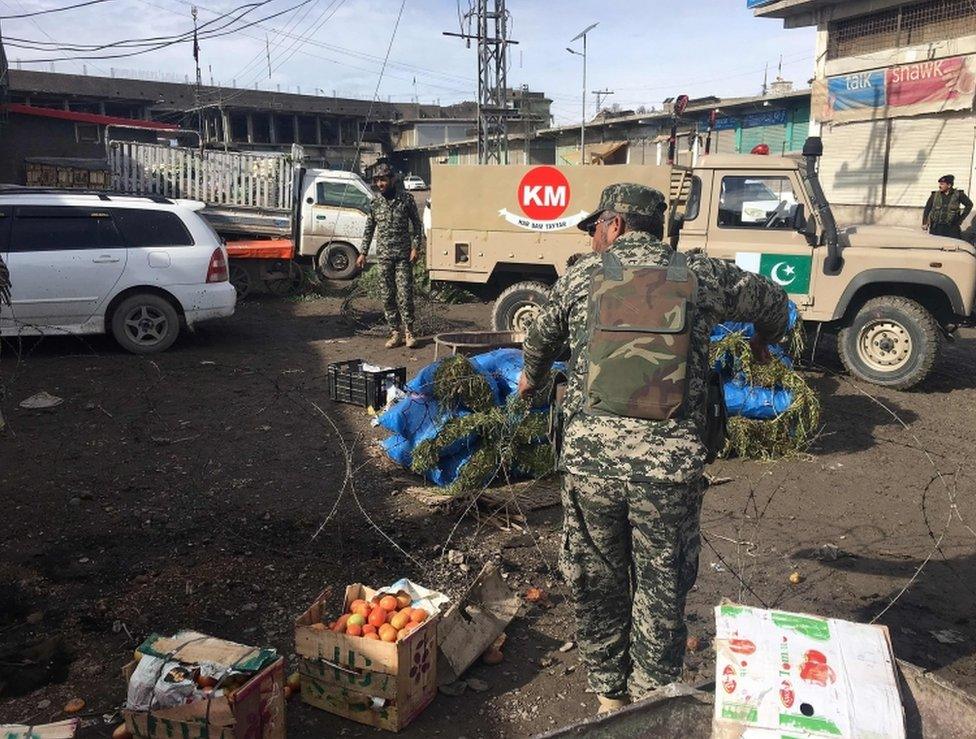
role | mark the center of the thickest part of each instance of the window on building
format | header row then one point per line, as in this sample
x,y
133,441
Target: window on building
x,y
62,229
341,195
905,25
87,133
143,227
757,202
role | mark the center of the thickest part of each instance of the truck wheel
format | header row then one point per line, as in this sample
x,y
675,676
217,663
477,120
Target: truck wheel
x,y
240,278
145,323
517,307
892,342
288,281
338,261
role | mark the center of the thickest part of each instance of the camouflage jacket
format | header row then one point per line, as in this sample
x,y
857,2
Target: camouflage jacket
x,y
944,208
396,223
627,448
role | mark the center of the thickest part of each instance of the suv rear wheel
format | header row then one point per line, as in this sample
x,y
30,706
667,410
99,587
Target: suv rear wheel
x,y
892,341
145,323
517,307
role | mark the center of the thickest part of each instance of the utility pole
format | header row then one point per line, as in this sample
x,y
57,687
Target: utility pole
x,y
600,94
196,90
526,121
490,18
582,35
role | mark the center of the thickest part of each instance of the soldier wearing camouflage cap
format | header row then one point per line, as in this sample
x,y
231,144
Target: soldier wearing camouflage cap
x,y
399,232
632,488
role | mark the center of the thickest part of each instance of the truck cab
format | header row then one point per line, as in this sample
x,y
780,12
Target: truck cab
x,y
892,295
330,218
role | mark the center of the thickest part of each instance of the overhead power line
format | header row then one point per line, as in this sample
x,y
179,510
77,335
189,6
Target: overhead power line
x,y
214,33
51,10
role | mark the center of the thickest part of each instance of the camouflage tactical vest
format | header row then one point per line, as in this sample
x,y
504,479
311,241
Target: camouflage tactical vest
x,y
945,210
639,338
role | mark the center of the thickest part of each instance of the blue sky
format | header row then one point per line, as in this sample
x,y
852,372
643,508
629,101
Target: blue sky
x,y
644,50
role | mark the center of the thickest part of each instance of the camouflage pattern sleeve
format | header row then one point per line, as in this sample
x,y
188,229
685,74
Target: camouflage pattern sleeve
x,y
416,225
368,231
749,298
4,283
548,334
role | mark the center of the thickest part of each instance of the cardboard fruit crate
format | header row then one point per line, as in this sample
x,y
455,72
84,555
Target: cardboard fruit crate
x,y
255,710
378,683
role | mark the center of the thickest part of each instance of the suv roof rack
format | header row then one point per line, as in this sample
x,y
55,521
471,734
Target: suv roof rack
x,y
100,194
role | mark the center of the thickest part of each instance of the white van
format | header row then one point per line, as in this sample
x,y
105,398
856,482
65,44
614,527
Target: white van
x,y
138,267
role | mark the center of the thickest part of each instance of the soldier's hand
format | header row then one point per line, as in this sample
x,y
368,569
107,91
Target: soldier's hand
x,y
525,390
361,261
413,256
760,350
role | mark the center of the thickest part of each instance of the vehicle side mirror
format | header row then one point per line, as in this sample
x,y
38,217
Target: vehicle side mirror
x,y
799,218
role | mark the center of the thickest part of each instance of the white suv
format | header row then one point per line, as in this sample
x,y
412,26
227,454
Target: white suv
x,y
138,267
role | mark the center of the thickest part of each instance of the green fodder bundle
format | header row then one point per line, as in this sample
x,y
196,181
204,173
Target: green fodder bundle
x,y
791,431
509,440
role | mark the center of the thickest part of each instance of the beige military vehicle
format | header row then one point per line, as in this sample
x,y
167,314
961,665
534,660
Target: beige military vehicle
x,y
892,295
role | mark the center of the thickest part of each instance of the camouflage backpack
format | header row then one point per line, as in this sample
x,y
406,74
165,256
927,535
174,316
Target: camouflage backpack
x,y
639,337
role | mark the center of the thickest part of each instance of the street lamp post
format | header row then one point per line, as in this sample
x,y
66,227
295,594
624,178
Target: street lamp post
x,y
582,35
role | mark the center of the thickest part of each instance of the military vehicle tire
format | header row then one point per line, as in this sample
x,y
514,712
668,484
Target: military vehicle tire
x,y
337,261
517,307
892,342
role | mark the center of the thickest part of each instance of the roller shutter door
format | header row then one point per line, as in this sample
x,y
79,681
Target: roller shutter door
x,y
922,150
773,136
852,168
801,130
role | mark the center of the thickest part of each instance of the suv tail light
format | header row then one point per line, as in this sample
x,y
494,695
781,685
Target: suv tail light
x,y
217,269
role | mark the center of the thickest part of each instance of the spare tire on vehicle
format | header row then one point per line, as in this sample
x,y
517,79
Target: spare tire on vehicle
x,y
517,307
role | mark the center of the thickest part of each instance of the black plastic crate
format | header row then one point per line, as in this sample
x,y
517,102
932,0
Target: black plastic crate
x,y
348,382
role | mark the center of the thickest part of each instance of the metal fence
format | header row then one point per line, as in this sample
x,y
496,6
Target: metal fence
x,y
907,24
215,177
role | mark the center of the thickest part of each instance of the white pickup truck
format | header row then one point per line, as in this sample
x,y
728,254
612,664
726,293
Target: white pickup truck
x,y
256,198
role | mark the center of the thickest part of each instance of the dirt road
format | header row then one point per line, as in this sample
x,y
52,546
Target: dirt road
x,y
185,491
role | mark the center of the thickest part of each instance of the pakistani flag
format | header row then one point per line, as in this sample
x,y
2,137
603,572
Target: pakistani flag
x,y
789,271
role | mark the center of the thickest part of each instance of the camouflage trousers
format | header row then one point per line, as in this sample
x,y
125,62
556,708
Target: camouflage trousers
x,y
630,556
397,283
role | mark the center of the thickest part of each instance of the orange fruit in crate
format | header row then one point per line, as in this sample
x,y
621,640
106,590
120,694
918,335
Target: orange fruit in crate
x,y
372,635
388,633
369,629
356,603
402,634
404,600
377,616
341,621
388,603
390,615
418,615
399,620
354,629
361,608
406,611
355,619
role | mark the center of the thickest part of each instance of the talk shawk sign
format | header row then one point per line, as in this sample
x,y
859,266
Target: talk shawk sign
x,y
543,196
931,86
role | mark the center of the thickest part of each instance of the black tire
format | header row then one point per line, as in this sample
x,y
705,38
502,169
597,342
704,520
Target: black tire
x,y
337,261
240,278
145,323
892,342
518,306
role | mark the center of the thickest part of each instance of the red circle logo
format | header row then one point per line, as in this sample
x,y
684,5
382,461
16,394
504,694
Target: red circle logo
x,y
543,194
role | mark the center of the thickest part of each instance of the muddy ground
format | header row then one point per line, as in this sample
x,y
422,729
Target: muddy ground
x,y
184,490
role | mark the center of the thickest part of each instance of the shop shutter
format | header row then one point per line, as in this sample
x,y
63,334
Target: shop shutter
x,y
801,130
852,168
922,150
773,136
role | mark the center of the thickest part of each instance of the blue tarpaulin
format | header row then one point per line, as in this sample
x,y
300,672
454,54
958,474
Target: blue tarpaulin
x,y
419,417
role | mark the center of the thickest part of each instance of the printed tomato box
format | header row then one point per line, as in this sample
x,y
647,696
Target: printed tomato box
x,y
791,674
385,684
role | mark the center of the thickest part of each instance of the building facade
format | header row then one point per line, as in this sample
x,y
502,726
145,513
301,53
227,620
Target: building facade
x,y
892,99
337,132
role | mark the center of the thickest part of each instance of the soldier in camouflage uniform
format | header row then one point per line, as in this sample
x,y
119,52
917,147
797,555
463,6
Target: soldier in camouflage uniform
x,y
632,489
941,215
394,213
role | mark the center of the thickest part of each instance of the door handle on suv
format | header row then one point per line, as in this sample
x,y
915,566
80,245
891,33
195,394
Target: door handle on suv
x,y
105,259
